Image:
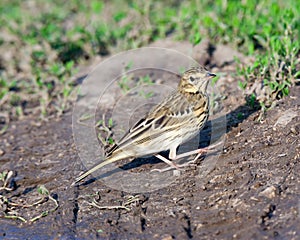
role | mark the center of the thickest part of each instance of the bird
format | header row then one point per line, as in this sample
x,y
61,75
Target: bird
x,y
176,119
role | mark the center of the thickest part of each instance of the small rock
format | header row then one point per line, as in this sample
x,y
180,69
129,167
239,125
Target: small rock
x,y
296,129
269,192
282,155
167,237
286,117
176,172
199,226
2,152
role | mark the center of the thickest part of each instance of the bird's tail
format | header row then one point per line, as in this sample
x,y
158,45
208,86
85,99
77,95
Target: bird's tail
x,y
100,165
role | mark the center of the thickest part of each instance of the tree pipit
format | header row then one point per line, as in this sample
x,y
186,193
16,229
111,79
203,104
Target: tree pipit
x,y
178,118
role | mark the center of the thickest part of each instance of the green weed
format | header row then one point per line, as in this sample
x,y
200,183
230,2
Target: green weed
x,y
104,128
55,42
275,66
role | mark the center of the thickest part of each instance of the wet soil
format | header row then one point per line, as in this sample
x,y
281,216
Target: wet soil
x,y
252,192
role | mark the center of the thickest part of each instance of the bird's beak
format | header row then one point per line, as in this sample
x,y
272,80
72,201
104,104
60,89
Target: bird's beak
x,y
211,75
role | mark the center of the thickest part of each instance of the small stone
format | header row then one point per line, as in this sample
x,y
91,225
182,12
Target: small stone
x,y
286,117
176,172
282,155
269,192
167,237
296,129
199,225
2,152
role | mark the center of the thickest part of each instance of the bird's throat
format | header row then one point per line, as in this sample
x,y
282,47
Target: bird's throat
x,y
190,89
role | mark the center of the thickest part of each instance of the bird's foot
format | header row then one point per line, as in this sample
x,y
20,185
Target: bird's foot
x,y
179,167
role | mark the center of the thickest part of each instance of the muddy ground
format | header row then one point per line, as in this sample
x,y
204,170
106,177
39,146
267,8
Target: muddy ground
x,y
252,192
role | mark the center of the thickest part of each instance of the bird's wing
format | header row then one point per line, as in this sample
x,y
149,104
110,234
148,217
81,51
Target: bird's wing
x,y
170,115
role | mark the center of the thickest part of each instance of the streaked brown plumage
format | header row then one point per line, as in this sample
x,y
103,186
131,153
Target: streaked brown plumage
x,y
178,118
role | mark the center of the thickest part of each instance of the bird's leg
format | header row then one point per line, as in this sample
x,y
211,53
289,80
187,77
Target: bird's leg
x,y
186,154
178,166
197,151
167,161
173,156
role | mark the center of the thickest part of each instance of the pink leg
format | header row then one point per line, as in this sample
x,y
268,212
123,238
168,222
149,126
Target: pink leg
x,y
177,166
173,156
167,161
197,151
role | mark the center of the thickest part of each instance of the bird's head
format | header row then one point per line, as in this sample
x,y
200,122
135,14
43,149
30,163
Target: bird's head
x,y
195,80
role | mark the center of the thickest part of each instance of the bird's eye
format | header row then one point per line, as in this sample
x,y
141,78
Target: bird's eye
x,y
192,79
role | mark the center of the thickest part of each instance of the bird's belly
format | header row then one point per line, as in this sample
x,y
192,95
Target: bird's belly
x,y
166,141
